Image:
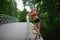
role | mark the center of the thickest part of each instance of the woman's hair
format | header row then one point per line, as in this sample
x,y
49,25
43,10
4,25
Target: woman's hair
x,y
32,7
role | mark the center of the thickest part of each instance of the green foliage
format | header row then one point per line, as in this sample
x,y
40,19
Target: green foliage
x,y
23,16
31,20
48,12
8,7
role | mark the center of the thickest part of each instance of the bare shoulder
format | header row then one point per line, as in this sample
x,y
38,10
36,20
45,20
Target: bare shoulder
x,y
34,11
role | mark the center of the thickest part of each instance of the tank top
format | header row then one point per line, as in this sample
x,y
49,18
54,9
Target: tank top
x,y
33,14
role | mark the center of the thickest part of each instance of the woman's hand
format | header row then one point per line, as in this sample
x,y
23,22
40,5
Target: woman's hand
x,y
28,14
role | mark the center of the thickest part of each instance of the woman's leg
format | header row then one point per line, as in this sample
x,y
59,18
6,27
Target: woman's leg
x,y
38,27
35,27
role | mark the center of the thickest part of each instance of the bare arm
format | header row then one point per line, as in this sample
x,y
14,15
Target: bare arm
x,y
29,14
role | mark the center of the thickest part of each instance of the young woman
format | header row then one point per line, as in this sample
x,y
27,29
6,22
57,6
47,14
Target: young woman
x,y
33,14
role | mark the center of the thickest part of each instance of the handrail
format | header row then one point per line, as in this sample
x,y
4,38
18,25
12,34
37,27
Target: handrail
x,y
7,19
31,31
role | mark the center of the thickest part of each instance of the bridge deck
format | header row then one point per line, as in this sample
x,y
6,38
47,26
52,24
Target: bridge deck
x,y
15,31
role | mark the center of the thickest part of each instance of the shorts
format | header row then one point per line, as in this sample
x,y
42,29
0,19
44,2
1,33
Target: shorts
x,y
37,20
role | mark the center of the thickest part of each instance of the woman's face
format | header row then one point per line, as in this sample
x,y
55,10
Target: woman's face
x,y
32,8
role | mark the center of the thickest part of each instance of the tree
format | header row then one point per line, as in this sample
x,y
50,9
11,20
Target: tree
x,y
23,15
8,7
